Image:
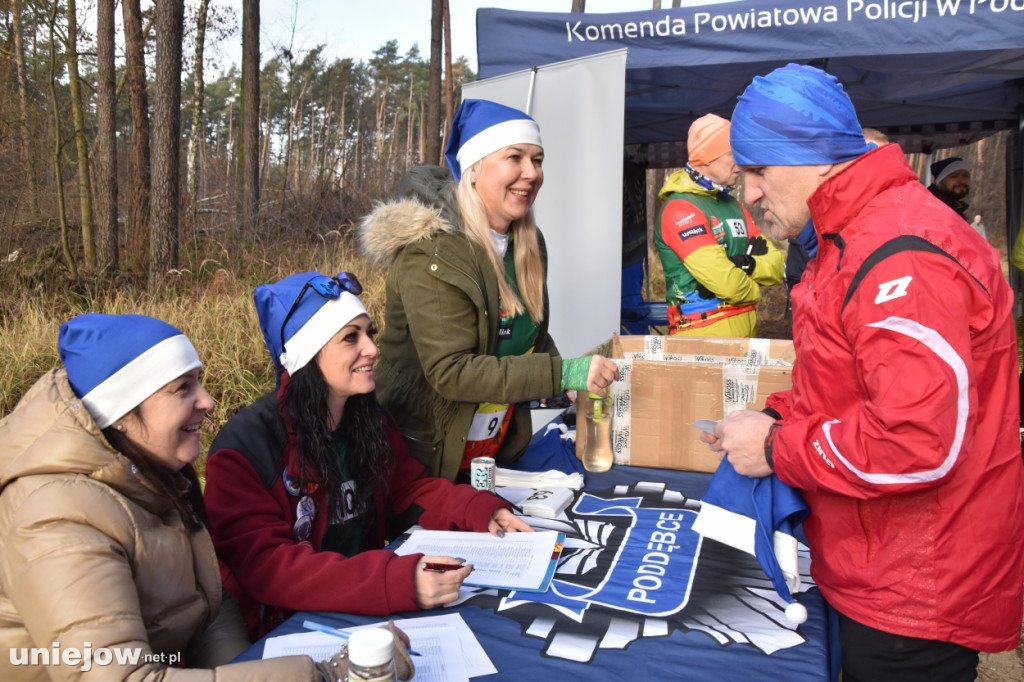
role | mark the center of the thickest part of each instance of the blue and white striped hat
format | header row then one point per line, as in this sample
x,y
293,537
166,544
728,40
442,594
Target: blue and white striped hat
x,y
311,323
941,169
481,127
114,362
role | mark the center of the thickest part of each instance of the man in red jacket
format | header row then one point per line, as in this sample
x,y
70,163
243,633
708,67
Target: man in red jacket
x,y
901,426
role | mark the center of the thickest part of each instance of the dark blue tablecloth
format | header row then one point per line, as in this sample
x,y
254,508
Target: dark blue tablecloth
x,y
725,631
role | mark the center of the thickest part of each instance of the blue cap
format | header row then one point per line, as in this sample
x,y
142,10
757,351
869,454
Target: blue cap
x,y
758,516
481,127
114,362
797,115
311,324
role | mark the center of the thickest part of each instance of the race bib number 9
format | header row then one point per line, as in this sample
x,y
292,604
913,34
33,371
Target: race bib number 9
x,y
487,421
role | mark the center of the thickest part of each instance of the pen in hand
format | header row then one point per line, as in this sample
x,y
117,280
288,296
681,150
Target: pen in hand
x,y
441,568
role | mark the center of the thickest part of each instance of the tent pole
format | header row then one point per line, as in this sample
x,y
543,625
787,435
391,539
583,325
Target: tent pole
x,y
529,92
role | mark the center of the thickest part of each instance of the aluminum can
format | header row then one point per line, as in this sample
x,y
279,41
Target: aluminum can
x,y
481,473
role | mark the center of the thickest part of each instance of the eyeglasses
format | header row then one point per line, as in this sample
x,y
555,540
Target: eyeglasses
x,y
328,287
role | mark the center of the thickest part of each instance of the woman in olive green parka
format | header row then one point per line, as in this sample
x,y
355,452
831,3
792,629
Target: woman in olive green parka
x,y
465,337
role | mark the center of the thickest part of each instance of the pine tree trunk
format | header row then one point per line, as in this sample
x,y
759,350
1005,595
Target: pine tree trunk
x,y
191,159
137,229
449,80
341,144
27,158
81,143
65,241
249,136
432,151
163,255
106,138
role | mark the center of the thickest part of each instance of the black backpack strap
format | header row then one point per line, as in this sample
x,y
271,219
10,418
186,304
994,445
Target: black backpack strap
x,y
893,246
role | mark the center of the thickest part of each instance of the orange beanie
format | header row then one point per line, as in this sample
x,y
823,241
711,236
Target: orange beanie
x,y
708,139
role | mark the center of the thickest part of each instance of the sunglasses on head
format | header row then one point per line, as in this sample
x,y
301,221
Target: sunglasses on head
x,y
327,287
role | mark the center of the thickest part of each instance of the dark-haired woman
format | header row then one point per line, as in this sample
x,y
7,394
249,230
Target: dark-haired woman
x,y
305,486
106,567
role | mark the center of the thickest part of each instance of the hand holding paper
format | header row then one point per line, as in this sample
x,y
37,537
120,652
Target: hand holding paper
x,y
742,435
519,561
706,425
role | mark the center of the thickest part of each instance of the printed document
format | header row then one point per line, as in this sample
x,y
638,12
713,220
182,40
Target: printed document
x,y
518,561
449,652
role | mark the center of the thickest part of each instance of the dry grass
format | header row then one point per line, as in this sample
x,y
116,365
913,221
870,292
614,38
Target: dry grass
x,y
209,302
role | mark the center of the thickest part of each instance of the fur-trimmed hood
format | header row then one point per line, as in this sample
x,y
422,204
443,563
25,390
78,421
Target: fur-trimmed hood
x,y
425,208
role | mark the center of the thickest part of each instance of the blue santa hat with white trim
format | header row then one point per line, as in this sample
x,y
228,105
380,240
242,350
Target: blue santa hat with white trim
x,y
311,324
481,127
115,362
941,169
758,516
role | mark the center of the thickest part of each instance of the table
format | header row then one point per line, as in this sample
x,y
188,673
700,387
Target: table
x,y
623,609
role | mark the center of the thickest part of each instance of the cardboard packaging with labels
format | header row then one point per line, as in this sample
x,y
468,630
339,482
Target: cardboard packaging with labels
x,y
670,382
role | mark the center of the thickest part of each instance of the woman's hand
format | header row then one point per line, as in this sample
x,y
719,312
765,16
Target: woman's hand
x,y
503,521
437,588
601,375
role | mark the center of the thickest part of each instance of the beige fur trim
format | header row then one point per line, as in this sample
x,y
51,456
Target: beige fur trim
x,y
393,225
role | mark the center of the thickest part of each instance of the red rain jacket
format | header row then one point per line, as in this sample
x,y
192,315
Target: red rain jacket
x,y
902,425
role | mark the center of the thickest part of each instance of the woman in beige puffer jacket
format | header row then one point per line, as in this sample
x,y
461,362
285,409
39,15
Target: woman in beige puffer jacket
x,y
106,568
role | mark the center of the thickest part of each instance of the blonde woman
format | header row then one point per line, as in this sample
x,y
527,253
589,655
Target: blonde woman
x,y
466,317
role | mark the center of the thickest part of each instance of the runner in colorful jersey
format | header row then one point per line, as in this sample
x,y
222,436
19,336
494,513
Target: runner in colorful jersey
x,y
714,257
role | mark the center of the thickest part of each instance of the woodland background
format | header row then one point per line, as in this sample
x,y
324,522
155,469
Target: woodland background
x,y
134,179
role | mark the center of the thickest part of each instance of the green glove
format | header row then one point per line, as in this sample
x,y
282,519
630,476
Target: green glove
x,y
574,373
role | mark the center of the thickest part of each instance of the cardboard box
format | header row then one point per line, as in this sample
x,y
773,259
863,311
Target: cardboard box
x,y
670,382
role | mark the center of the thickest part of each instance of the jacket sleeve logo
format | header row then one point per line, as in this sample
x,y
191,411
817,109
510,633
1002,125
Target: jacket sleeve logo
x,y
695,231
888,291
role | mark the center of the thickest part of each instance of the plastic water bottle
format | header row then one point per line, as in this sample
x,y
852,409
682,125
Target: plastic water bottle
x,y
597,454
371,656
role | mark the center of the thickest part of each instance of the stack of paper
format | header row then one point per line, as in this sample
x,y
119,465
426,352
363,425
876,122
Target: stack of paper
x,y
518,561
547,503
537,479
449,651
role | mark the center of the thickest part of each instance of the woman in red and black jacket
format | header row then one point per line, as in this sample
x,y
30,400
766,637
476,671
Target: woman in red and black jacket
x,y
305,486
